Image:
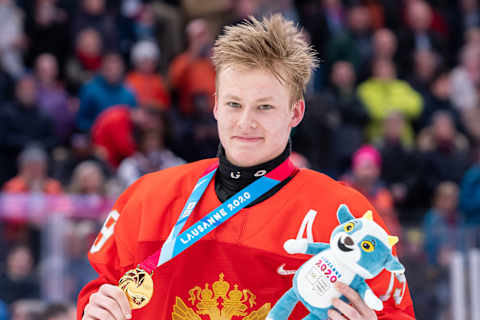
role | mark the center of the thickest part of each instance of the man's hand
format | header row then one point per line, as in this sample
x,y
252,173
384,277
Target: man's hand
x,y
108,303
358,310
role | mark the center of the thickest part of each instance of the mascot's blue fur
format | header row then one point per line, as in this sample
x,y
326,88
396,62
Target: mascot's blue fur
x,y
359,249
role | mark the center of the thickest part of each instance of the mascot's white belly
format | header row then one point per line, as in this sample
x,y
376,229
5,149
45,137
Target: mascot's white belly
x,y
316,279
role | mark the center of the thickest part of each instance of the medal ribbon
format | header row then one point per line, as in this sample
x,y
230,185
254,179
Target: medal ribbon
x,y
178,242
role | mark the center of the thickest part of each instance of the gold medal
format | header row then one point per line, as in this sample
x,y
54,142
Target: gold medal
x,y
138,286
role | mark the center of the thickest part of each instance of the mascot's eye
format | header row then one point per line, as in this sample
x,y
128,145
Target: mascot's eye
x,y
349,227
367,246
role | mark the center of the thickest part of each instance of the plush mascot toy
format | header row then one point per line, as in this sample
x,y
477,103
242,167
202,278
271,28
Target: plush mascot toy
x,y
359,249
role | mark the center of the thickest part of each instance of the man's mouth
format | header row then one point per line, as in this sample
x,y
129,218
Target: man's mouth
x,y
247,139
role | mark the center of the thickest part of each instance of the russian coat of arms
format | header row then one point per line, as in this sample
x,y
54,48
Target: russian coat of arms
x,y
219,303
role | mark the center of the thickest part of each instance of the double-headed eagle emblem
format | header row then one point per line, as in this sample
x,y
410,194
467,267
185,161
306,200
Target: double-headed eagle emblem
x,y
219,303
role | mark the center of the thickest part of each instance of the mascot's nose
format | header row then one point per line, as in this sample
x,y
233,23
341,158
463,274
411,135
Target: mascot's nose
x,y
348,241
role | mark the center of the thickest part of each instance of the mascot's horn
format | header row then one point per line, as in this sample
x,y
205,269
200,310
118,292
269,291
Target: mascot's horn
x,y
368,215
392,240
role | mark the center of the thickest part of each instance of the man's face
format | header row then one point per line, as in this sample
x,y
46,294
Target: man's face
x,y
254,115
26,91
366,172
112,69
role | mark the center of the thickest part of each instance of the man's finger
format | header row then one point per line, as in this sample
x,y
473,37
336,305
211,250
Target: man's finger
x,y
349,311
113,307
335,315
353,297
94,312
119,296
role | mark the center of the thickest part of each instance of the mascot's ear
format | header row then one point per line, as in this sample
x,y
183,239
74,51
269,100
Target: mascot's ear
x,y
343,214
393,265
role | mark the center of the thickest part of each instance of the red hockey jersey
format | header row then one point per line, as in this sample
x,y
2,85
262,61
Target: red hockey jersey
x,y
239,270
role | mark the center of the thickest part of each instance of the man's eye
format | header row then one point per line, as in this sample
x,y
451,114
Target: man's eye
x,y
265,107
233,104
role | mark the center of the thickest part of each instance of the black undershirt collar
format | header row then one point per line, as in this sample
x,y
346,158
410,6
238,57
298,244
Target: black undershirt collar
x,y
230,178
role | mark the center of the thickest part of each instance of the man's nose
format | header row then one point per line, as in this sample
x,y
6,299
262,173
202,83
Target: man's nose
x,y
247,119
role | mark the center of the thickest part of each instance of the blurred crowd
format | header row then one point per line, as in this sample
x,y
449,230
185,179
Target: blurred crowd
x,y
96,93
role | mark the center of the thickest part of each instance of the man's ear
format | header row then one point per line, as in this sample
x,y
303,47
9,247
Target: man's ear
x,y
298,111
215,107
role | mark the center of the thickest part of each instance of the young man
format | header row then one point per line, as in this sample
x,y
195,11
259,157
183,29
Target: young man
x,y
238,269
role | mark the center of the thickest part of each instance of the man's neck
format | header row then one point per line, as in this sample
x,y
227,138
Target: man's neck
x,y
230,178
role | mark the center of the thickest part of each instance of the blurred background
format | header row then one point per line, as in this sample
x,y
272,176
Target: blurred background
x,y
96,93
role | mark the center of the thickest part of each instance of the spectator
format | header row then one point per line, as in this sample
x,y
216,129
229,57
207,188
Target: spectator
x,y
58,311
419,35
317,122
169,19
426,63
354,45
472,35
198,132
335,16
27,309
442,225
471,121
348,133
22,124
78,240
103,91
344,117
113,133
86,61
12,38
47,32
7,85
4,314
145,25
466,16
322,20
152,155
385,45
466,79
444,153
66,160
471,13
18,281
32,176
470,195
192,73
52,97
398,160
93,14
438,99
443,229
90,191
365,177
87,179
384,93
25,202
148,86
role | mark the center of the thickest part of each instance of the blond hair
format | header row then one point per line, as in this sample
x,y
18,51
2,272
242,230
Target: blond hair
x,y
273,44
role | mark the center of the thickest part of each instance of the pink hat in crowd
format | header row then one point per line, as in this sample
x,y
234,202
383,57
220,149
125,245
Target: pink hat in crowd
x,y
366,153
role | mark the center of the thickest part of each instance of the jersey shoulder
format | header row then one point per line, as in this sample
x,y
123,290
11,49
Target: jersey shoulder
x,y
161,187
317,181
172,178
320,189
